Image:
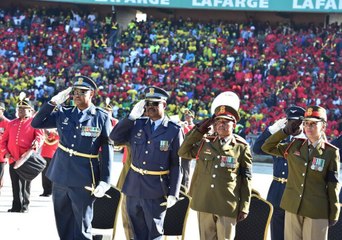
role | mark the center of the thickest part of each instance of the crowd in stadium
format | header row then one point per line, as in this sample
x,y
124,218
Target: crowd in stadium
x,y
270,66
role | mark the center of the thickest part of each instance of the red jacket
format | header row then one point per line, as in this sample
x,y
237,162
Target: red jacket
x,y
3,125
19,137
50,145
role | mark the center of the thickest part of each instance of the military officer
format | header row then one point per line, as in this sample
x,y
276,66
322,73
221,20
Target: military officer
x,y
280,171
310,199
221,184
153,181
83,130
338,143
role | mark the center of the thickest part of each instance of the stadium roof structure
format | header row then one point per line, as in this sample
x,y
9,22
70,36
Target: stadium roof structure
x,y
309,6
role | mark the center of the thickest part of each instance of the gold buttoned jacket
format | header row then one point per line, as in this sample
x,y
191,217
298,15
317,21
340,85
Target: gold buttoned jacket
x,y
312,186
221,183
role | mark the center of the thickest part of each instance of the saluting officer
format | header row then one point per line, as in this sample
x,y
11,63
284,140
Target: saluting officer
x,y
83,130
154,177
221,184
280,171
310,199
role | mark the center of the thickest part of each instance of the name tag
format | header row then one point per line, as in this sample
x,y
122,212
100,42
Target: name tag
x,y
87,131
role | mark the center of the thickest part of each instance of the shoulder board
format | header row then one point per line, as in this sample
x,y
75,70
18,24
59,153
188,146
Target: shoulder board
x,y
142,119
63,108
330,145
174,123
240,139
100,109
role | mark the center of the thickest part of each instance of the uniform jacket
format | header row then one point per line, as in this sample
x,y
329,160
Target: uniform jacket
x,y
19,137
221,183
310,191
148,153
3,125
50,145
280,170
84,137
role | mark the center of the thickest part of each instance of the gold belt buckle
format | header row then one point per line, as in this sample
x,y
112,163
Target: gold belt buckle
x,y
141,171
71,151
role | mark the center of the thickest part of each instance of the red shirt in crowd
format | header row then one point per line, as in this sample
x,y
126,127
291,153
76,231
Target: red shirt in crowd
x,y
19,137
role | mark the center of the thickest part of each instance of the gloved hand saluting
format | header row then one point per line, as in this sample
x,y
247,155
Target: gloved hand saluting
x,y
61,97
101,189
171,200
293,127
204,125
137,110
279,124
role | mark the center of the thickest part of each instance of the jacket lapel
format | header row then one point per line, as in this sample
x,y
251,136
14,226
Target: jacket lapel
x,y
89,114
161,128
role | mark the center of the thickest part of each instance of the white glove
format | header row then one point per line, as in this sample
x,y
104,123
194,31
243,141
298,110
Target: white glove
x,y
137,110
61,97
101,189
171,200
279,124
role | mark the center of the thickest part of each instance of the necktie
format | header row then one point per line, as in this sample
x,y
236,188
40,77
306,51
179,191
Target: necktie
x,y
79,115
152,127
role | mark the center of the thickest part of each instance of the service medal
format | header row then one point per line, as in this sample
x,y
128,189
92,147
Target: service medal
x,y
164,145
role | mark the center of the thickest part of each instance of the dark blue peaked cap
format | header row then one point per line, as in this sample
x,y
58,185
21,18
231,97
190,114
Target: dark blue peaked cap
x,y
295,113
155,94
84,82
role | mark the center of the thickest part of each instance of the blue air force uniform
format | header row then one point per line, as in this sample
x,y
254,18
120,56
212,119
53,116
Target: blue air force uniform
x,y
155,171
75,164
276,190
280,173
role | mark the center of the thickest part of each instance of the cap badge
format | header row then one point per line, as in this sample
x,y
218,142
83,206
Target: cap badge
x,y
222,109
309,112
293,111
80,80
151,91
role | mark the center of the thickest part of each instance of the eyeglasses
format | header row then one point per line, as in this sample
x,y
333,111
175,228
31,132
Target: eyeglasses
x,y
310,124
152,104
79,92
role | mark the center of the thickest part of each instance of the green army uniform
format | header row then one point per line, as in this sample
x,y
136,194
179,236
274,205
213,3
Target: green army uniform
x,y
312,187
125,168
221,183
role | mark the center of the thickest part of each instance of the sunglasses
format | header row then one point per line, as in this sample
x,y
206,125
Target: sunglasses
x,y
152,104
79,92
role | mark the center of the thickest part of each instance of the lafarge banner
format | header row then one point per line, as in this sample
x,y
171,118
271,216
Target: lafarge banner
x,y
331,6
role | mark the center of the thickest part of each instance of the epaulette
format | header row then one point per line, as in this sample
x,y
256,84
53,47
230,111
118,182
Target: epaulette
x,y
286,153
63,108
331,145
240,139
100,109
142,119
174,123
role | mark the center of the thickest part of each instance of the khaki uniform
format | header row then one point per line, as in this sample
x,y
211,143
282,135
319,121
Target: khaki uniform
x,y
125,220
312,186
221,183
